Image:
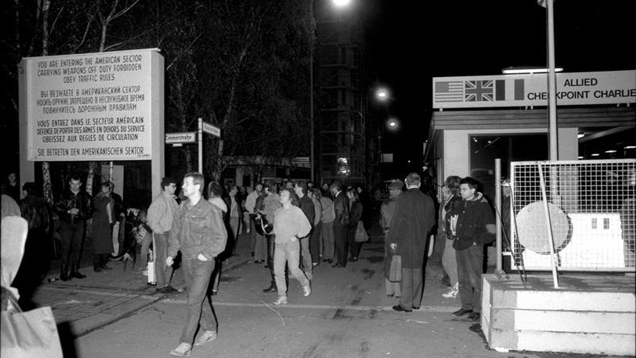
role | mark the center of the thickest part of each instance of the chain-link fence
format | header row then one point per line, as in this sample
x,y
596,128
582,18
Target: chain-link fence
x,y
587,209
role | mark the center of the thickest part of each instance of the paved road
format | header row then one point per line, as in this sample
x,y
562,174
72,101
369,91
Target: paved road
x,y
115,314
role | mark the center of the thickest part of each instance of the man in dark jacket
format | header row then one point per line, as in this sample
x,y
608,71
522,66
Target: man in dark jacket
x,y
341,209
412,222
473,225
307,206
73,207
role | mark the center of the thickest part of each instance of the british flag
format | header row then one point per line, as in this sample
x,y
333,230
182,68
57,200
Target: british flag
x,y
479,91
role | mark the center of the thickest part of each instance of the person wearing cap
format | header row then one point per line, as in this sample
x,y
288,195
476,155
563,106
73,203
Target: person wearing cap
x,y
161,216
386,214
410,228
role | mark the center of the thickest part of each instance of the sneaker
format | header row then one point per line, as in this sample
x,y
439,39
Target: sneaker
x,y
282,300
452,292
207,336
306,290
183,350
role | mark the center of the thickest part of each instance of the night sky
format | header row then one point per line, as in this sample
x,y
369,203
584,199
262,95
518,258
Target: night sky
x,y
408,43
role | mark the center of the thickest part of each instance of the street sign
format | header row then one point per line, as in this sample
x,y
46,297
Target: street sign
x,y
210,129
183,137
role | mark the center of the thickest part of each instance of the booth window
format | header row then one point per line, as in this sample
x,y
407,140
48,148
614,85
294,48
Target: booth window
x,y
484,149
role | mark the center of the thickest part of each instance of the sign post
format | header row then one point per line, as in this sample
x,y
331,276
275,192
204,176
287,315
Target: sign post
x,y
210,129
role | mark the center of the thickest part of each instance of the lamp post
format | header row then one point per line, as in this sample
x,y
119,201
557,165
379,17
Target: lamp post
x,y
312,159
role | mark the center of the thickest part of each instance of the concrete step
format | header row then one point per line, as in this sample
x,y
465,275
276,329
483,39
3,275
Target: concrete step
x,y
586,314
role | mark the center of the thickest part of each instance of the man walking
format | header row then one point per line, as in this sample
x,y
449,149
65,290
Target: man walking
x,y
412,221
161,214
472,225
341,209
73,208
199,233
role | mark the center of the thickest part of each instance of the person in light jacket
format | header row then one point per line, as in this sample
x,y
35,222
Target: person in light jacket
x,y
290,225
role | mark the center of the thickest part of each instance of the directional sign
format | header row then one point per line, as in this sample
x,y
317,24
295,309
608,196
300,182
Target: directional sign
x,y
210,129
183,137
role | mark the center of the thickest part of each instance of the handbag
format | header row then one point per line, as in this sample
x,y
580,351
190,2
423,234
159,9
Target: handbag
x,y
395,271
30,334
361,233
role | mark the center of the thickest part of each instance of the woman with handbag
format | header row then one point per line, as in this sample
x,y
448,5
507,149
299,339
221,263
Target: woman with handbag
x,y
355,217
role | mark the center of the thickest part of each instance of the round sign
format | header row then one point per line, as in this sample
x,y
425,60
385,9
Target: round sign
x,y
532,227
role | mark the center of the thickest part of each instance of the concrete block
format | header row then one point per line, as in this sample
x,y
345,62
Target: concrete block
x,y
563,321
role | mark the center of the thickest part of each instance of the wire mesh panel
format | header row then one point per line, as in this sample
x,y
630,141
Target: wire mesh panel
x,y
587,209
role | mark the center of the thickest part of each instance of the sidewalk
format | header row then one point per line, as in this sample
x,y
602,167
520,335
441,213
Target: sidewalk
x,y
84,305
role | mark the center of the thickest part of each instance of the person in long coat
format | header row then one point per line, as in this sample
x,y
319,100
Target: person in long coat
x,y
411,225
103,220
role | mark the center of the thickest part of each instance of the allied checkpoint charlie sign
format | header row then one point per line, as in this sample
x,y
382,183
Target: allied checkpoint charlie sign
x,y
92,107
573,89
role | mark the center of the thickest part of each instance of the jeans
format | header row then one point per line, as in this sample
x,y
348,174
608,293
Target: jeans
x,y
145,249
287,253
469,269
197,277
449,261
270,254
306,255
161,253
327,241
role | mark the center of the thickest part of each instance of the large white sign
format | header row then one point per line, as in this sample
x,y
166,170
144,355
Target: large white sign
x,y
573,89
93,106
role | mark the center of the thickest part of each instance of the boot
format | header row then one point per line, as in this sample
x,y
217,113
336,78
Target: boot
x,y
103,261
64,273
271,288
75,272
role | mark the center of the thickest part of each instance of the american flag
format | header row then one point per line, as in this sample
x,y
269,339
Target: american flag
x,y
480,91
449,91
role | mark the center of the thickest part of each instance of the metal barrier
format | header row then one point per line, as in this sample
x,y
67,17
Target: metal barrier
x,y
575,215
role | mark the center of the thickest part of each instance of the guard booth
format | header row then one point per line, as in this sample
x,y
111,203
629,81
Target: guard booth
x,y
481,118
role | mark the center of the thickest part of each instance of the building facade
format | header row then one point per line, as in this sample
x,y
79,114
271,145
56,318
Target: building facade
x,y
340,96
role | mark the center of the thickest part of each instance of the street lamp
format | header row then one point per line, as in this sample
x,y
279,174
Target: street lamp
x,y
392,123
382,94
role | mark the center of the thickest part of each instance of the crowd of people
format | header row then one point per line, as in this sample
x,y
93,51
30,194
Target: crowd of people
x,y
291,227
